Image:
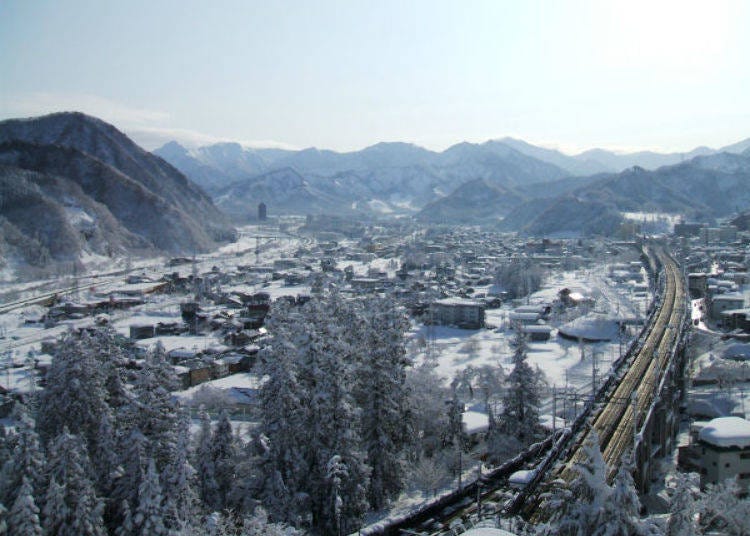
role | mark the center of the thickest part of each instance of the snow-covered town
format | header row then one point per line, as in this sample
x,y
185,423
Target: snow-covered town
x,y
425,268
444,333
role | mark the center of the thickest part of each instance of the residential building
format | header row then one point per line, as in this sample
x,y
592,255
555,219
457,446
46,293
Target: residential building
x,y
725,451
459,312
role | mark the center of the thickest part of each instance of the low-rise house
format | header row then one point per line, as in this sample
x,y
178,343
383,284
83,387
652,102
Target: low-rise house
x,y
142,331
733,319
725,302
516,317
537,332
725,451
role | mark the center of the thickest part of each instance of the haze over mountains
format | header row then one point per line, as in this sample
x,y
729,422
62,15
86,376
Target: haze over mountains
x,y
467,183
74,185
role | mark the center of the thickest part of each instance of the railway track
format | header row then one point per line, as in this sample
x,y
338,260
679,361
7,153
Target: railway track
x,y
613,416
624,407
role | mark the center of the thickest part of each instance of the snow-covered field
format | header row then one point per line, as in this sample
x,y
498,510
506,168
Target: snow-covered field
x,y
560,359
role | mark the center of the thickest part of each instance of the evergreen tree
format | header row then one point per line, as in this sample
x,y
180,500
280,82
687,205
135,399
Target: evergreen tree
x,y
75,394
427,396
23,518
154,411
723,511
624,506
75,508
126,526
149,515
223,453
105,457
3,520
208,488
26,460
383,399
178,478
309,364
56,510
683,509
128,481
259,525
584,507
592,507
520,417
326,350
282,444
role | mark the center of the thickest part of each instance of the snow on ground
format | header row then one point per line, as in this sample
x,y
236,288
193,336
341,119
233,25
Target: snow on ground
x,y
560,359
19,379
184,342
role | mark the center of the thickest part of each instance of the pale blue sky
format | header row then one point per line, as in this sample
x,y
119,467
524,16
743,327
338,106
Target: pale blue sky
x,y
625,74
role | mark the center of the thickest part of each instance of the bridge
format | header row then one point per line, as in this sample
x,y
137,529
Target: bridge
x,y
636,410
634,414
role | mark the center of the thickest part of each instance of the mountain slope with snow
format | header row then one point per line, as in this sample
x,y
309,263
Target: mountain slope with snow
x,y
83,182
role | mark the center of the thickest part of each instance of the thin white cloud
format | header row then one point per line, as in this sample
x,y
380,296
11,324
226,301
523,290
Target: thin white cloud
x,y
40,103
144,126
153,137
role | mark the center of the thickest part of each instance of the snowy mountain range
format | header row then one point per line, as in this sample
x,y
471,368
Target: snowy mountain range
x,y
72,184
465,183
702,188
384,178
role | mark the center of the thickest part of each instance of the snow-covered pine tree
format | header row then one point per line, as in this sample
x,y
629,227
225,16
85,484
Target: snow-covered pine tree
x,y
455,436
585,513
3,520
126,526
722,510
75,507
74,395
427,396
282,416
326,355
223,453
208,488
624,506
154,410
520,416
23,518
683,509
382,396
133,447
178,480
150,513
258,525
55,508
500,445
105,457
26,460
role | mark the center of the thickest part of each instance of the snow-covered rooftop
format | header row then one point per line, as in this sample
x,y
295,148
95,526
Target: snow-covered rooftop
x,y
592,327
487,531
727,432
475,421
522,477
459,301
